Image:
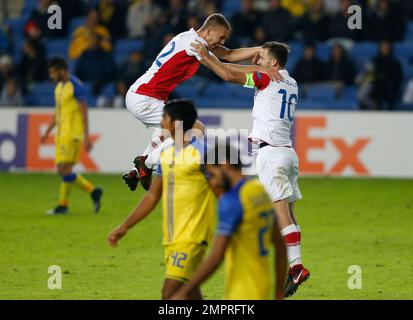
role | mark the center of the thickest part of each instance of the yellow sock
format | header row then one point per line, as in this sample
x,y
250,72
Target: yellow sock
x,y
83,183
64,192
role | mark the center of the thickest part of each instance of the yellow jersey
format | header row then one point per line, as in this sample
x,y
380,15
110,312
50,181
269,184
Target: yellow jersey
x,y
68,116
188,201
246,215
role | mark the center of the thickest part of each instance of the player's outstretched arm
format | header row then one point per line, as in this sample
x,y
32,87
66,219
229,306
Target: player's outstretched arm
x,y
280,263
229,71
143,208
206,269
236,55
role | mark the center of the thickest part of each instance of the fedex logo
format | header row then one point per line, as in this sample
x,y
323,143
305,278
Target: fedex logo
x,y
349,152
27,147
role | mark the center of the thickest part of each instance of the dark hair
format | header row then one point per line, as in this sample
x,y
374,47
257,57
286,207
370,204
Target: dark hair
x,y
182,109
278,51
217,19
58,63
215,155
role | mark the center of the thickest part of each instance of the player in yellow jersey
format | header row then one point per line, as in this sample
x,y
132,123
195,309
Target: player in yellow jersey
x,y
188,201
245,233
71,120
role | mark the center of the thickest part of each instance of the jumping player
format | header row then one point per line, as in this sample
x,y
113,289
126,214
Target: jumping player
x,y
71,120
174,64
277,162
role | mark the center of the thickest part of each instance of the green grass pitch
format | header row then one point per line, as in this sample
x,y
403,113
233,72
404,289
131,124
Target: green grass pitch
x,y
364,222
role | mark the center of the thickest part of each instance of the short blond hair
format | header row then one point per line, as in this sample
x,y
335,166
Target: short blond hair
x,y
215,20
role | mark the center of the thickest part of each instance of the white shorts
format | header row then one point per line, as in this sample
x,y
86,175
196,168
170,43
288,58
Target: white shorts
x,y
146,109
278,171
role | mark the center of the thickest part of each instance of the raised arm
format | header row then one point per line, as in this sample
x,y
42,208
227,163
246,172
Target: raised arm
x,y
143,208
228,71
236,55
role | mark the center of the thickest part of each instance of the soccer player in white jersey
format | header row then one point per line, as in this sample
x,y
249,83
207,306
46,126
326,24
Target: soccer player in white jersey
x,y
174,64
277,162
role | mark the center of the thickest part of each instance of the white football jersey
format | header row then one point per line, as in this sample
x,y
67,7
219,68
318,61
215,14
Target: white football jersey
x,y
274,108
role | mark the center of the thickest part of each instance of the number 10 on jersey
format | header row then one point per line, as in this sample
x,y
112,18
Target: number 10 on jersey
x,y
286,104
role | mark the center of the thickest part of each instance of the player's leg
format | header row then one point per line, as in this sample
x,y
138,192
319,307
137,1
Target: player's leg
x,y
274,166
67,155
297,273
80,181
149,111
182,260
170,287
65,188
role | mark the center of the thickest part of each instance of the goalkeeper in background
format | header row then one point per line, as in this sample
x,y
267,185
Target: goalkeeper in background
x,y
71,120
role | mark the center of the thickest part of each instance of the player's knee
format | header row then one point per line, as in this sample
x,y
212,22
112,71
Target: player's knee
x,y
64,170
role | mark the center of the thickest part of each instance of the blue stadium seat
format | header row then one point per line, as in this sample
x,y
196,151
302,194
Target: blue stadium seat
x,y
186,90
327,105
214,89
57,47
109,91
230,7
75,23
29,5
126,47
321,92
363,52
403,50
323,51
296,47
349,93
42,95
238,91
219,102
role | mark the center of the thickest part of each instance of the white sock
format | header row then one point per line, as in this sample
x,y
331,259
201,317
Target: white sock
x,y
153,158
291,238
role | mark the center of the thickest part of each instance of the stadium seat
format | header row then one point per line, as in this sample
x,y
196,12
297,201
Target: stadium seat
x,y
57,47
323,51
126,47
219,102
327,105
41,95
108,91
29,5
349,93
230,7
321,92
403,50
363,52
215,89
75,23
186,90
